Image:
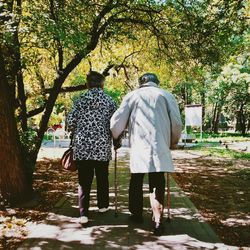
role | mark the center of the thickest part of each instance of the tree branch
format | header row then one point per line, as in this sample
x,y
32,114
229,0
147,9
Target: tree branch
x,y
63,90
105,72
35,112
69,89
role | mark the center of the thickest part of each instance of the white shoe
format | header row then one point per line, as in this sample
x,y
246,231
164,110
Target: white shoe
x,y
103,210
83,220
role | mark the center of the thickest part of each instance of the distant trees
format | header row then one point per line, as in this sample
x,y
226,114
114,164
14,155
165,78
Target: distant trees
x,y
231,95
44,41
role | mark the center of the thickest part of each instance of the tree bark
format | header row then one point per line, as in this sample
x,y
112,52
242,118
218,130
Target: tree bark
x,y
215,128
14,186
19,71
214,116
69,89
20,85
241,120
203,101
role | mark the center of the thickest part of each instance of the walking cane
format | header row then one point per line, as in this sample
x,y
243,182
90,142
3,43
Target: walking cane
x,y
116,183
168,196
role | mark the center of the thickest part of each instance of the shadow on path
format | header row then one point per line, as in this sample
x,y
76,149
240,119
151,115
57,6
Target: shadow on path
x,y
61,229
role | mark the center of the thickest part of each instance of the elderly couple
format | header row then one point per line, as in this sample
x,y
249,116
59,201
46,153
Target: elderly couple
x,y
152,117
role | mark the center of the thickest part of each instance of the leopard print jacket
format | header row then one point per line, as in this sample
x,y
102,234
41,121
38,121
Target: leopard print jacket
x,y
89,121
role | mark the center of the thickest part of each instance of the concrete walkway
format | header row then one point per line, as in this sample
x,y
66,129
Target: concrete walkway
x,y
61,229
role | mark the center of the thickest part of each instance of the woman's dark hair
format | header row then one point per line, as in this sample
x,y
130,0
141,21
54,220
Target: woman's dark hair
x,y
95,79
149,77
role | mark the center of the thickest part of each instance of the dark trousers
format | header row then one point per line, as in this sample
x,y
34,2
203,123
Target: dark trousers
x,y
86,171
156,181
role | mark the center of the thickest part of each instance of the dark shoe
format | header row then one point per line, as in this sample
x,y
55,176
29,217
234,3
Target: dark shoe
x,y
138,219
158,229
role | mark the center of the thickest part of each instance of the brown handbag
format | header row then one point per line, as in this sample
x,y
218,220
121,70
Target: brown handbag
x,y
67,160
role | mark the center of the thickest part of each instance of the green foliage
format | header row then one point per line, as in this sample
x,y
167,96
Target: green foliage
x,y
78,80
224,135
27,140
116,94
211,147
185,42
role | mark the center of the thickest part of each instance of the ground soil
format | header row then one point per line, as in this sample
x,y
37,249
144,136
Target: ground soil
x,y
50,184
219,188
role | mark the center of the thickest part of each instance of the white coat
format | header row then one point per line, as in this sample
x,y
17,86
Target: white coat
x,y
154,124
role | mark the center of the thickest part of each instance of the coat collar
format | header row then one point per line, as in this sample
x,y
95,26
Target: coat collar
x,y
149,84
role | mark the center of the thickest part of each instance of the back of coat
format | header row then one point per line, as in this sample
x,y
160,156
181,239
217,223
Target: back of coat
x,y
154,125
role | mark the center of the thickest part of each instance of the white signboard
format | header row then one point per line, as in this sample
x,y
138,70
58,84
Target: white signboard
x,y
193,115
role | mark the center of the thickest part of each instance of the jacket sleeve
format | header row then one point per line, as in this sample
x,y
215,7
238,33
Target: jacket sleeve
x,y
72,116
120,118
175,120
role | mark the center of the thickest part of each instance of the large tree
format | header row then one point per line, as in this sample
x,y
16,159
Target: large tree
x,y
12,167
68,31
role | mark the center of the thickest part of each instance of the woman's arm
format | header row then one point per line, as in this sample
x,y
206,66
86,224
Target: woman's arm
x,y
72,116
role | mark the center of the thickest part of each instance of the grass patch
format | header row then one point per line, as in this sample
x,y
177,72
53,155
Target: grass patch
x,y
206,135
224,137
228,153
225,153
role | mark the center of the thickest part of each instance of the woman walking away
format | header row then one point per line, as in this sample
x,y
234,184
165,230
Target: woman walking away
x,y
89,122
154,123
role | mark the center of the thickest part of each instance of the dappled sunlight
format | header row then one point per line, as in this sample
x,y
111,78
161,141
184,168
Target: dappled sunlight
x,y
219,188
71,235
59,226
182,241
109,232
232,222
178,194
185,213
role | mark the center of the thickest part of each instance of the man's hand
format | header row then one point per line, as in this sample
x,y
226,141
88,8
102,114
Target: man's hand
x,y
117,143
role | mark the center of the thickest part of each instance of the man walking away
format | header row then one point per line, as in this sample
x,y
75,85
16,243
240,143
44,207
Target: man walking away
x,y
154,124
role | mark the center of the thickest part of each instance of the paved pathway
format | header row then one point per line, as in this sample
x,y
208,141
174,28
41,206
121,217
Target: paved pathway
x,y
61,229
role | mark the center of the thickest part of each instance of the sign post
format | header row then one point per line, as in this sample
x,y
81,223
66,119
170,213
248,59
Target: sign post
x,y
193,117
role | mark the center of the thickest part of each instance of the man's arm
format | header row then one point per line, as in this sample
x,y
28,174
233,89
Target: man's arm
x,y
112,108
175,119
120,118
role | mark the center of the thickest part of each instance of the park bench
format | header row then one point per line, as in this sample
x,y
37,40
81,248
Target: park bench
x,y
188,138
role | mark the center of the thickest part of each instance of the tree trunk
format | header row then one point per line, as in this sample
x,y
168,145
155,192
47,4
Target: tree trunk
x,y
20,84
216,123
19,71
216,117
14,186
203,103
241,120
